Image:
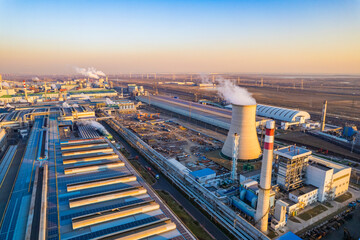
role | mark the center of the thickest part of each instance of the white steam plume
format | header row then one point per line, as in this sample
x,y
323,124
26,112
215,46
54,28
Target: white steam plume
x,y
53,86
90,72
233,93
5,84
205,78
35,79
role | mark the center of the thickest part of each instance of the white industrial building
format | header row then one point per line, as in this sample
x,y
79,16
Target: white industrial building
x,y
282,114
304,196
330,178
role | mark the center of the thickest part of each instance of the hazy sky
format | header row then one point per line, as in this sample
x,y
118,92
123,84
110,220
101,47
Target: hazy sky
x,y
296,36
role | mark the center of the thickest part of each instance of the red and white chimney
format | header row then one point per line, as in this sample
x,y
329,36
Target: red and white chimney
x,y
263,204
25,90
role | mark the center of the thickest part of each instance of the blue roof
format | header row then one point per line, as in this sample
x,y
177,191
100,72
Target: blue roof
x,y
202,173
289,236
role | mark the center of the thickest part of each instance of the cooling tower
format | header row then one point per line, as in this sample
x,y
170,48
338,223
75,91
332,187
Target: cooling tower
x,y
244,124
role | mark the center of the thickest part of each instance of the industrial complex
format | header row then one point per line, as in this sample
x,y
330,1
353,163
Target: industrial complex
x,y
68,168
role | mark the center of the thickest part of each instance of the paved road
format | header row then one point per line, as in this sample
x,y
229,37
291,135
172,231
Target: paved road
x,y
164,184
9,180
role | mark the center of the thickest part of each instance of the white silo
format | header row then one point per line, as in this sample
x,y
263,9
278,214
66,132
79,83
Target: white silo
x,y
243,123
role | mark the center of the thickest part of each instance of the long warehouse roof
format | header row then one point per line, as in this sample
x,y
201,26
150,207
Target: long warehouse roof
x,y
224,115
279,113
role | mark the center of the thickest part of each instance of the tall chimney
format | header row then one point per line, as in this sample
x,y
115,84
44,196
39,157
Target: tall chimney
x,y
243,123
263,205
323,116
26,98
235,157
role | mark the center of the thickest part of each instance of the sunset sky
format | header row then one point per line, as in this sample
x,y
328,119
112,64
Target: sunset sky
x,y
297,36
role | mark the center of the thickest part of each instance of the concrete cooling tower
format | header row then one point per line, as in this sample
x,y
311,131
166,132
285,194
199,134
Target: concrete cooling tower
x,y
244,124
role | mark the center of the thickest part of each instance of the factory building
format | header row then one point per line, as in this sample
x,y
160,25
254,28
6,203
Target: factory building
x,y
93,93
282,114
330,178
79,112
279,219
203,175
292,162
304,196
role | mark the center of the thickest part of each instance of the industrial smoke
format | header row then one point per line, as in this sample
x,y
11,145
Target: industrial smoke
x,y
53,86
5,84
233,93
90,72
229,91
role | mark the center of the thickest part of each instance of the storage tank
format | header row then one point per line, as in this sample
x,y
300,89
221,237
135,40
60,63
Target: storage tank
x,y
244,124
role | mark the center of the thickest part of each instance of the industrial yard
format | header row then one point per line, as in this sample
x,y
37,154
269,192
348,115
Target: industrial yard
x,y
173,140
238,163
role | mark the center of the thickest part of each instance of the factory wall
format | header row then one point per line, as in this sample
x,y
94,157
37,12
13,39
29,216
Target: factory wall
x,y
306,199
341,181
319,178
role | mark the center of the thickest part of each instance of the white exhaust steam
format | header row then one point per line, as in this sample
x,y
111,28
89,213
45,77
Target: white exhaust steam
x,y
90,72
229,91
233,93
5,84
53,86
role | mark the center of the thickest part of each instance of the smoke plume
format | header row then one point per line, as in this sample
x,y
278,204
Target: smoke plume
x,y
5,84
53,86
233,93
35,79
90,72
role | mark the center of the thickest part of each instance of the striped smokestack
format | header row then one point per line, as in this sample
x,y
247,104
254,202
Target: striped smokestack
x,y
25,90
263,206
